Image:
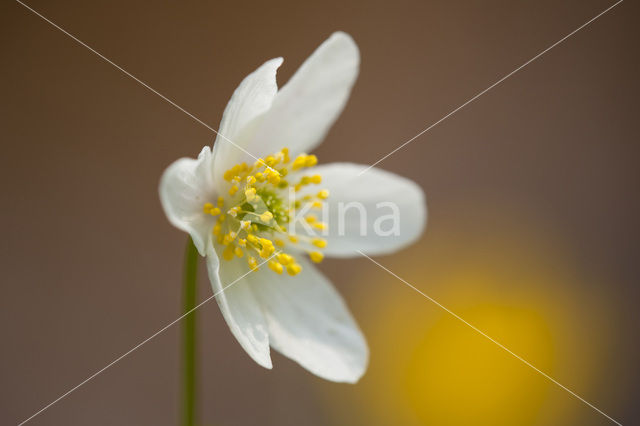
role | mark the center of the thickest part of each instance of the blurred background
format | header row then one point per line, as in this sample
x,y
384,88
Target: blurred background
x,y
532,193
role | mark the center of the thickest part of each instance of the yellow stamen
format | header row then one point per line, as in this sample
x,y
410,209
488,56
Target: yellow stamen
x,y
310,161
250,194
324,194
227,254
316,256
299,162
319,242
253,263
275,266
294,269
207,207
284,258
266,216
246,229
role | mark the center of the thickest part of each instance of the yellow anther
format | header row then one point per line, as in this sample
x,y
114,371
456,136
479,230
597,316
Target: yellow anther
x,y
283,171
214,211
221,218
245,225
316,179
233,211
266,216
316,204
229,238
259,163
266,242
227,254
275,266
320,225
242,242
253,263
285,154
251,180
229,174
285,258
220,201
207,207
306,198
250,194
252,239
319,242
238,252
233,190
270,160
260,177
310,161
266,251
299,162
274,178
279,242
216,229
305,180
316,256
324,194
311,219
293,239
293,269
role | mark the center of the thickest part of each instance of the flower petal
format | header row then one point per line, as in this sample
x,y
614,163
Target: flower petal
x,y
249,102
306,107
390,209
309,322
238,305
184,188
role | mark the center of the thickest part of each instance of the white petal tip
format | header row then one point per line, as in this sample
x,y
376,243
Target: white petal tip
x,y
266,363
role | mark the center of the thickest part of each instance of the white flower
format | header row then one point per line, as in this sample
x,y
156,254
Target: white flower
x,y
237,211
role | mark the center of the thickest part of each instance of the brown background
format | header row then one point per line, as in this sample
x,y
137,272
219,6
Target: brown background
x,y
545,163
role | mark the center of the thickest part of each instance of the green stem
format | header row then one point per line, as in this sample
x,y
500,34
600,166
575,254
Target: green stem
x,y
189,336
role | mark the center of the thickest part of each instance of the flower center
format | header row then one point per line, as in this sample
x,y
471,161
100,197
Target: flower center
x,y
261,208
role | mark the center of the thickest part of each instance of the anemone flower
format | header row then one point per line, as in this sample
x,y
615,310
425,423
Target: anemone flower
x,y
258,206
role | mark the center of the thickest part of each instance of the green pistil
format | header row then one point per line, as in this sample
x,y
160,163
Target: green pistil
x,y
275,205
